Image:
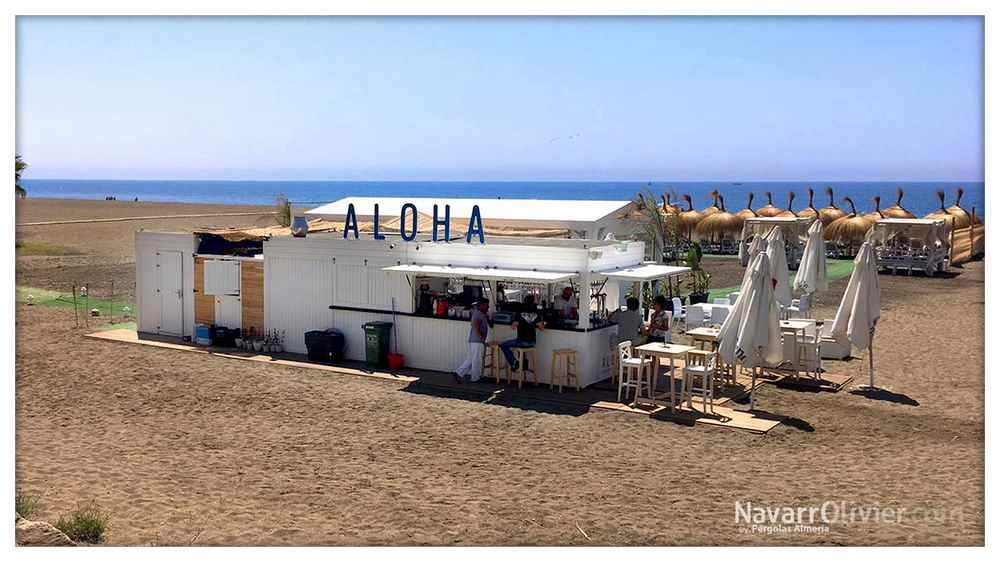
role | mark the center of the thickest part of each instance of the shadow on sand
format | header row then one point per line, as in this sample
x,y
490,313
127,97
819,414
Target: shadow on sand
x,y
885,396
499,396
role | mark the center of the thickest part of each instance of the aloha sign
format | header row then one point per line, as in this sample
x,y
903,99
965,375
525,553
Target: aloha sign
x,y
408,224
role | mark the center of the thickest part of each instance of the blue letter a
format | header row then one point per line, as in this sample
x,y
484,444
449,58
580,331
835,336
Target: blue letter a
x,y
475,226
351,222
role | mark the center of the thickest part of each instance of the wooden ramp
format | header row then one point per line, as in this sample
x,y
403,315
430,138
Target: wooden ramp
x,y
598,396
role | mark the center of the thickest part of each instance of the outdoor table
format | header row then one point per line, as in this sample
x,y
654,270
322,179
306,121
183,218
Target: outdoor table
x,y
796,327
656,350
704,334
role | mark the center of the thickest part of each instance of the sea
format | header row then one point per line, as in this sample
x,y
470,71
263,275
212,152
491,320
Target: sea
x,y
919,196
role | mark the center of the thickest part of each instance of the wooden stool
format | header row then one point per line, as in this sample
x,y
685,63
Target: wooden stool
x,y
492,362
521,354
563,368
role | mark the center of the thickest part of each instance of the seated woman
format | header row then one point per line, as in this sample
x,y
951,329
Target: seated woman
x,y
659,325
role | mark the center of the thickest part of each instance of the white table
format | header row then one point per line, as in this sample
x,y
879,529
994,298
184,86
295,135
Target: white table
x,y
655,351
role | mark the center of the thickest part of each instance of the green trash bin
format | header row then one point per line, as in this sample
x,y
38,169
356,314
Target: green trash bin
x,y
377,336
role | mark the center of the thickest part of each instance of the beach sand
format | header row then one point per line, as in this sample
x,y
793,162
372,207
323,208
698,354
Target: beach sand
x,y
180,448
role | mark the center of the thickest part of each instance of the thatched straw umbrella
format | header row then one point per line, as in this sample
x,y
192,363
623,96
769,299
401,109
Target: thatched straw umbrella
x,y
877,213
831,212
897,211
714,207
718,225
849,230
689,218
810,211
768,210
667,207
962,217
788,212
747,213
944,214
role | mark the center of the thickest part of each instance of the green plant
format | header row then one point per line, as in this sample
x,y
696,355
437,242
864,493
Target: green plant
x,y
19,166
86,524
655,227
25,504
700,280
283,212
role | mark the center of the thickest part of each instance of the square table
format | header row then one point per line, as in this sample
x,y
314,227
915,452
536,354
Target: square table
x,y
795,327
656,350
704,334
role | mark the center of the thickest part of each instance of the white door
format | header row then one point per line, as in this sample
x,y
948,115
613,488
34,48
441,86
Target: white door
x,y
228,311
171,290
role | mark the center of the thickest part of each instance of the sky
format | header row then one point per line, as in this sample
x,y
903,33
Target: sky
x,y
590,99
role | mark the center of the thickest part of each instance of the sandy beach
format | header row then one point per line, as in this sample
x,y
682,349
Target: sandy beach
x,y
179,448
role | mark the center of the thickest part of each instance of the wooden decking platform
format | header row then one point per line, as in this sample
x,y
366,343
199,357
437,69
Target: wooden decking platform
x,y
602,396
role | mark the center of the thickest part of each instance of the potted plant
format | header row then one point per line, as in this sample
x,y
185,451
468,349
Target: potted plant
x,y
699,280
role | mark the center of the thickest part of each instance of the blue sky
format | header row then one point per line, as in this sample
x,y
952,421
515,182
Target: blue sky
x,y
501,99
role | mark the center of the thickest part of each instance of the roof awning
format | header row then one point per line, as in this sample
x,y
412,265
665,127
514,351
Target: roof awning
x,y
644,272
484,273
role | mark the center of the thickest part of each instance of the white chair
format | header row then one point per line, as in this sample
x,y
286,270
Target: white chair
x,y
724,301
633,372
799,307
719,314
733,296
695,317
699,378
831,347
680,313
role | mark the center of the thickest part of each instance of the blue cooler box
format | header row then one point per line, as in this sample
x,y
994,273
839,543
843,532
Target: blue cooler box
x,y
203,334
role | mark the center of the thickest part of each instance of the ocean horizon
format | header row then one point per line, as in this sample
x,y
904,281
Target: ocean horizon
x,y
919,196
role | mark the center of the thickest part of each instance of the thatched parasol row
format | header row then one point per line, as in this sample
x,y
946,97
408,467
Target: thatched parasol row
x,y
715,221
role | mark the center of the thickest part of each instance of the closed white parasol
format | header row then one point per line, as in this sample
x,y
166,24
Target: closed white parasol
x,y
750,335
779,266
859,309
811,276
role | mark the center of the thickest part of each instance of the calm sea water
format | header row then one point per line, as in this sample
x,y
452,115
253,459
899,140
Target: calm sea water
x,y
919,198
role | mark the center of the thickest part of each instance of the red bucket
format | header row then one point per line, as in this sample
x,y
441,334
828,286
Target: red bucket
x,y
396,360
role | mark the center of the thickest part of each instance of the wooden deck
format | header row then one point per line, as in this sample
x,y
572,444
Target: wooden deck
x,y
602,396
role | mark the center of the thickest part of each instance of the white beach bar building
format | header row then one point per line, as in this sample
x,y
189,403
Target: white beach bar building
x,y
327,280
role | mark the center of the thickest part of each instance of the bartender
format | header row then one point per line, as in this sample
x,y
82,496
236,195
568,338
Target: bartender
x,y
565,304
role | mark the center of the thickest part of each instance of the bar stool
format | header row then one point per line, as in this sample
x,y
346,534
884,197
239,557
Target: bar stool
x,y
491,361
563,368
521,354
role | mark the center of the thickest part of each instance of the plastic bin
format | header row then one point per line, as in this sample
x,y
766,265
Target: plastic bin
x,y
377,335
325,345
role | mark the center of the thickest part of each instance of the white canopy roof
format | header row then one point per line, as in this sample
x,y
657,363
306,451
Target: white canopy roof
x,y
515,212
644,272
485,273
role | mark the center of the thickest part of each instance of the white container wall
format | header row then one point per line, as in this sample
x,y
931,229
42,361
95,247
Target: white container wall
x,y
303,278
164,275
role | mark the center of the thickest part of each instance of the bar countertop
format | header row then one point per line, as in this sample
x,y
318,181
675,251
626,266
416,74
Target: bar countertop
x,y
595,325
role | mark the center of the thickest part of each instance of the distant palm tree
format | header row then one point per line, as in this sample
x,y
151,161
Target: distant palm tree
x,y
19,166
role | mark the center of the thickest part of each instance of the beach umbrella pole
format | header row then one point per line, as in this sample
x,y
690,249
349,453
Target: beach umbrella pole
x,y
871,364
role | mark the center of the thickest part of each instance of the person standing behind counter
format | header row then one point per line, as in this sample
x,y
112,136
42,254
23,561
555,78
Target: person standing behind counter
x,y
565,304
479,329
524,325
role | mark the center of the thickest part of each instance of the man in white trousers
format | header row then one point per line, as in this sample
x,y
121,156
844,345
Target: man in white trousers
x,y
479,329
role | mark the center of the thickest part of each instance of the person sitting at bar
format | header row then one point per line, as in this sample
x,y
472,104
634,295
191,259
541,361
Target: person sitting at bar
x,y
629,321
659,324
479,329
524,326
565,304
